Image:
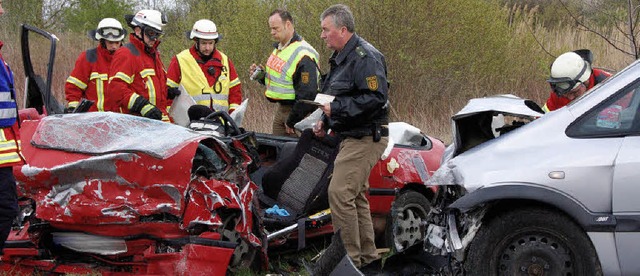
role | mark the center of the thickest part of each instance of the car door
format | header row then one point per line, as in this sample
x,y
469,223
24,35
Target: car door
x,y
615,118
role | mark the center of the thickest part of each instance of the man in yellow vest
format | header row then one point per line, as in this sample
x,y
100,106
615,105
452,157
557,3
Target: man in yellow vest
x,y
206,73
291,74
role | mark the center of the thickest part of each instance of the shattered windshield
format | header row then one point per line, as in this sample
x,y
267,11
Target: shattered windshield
x,y
104,132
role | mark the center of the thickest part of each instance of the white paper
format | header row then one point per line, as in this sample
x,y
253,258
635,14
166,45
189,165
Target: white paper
x,y
323,98
180,106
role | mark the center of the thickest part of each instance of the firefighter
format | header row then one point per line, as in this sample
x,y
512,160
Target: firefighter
x,y
205,72
9,148
90,76
359,115
571,76
137,73
291,74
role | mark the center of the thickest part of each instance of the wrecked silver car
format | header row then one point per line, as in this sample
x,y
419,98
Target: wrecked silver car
x,y
533,194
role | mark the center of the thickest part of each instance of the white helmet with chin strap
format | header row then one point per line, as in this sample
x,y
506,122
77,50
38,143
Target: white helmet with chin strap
x,y
567,72
149,18
204,29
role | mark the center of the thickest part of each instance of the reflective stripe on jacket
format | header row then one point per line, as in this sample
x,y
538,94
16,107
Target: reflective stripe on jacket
x,y
136,72
89,79
281,66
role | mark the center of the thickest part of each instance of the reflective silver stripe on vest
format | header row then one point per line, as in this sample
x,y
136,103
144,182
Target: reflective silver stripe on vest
x,y
5,96
205,97
8,113
292,57
281,90
218,107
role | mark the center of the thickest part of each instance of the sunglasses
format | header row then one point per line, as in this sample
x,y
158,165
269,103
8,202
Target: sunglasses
x,y
153,34
109,32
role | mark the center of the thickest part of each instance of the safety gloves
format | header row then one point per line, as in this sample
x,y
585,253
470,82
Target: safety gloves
x,y
146,109
173,92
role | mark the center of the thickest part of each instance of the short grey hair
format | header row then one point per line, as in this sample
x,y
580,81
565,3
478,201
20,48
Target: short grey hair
x,y
342,17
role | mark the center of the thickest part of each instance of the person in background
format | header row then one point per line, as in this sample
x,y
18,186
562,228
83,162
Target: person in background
x,y
9,148
359,115
205,72
291,74
90,76
571,76
137,72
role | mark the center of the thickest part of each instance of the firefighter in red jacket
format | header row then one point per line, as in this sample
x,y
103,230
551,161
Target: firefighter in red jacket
x,y
571,76
137,73
90,76
205,72
9,148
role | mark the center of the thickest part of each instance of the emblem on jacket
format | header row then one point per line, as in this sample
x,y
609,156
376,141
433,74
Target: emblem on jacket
x,y
372,83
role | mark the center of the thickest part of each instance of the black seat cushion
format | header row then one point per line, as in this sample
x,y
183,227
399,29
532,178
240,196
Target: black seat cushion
x,y
299,181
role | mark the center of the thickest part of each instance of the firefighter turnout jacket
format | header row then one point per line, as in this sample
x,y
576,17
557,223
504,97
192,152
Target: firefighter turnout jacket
x,y
139,72
292,74
213,83
9,135
555,102
358,80
89,80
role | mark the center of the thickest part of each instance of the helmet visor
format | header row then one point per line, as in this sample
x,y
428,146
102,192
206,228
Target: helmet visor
x,y
152,33
562,86
109,32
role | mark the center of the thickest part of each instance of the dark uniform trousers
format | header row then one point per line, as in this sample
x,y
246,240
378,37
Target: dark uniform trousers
x,y
347,196
8,203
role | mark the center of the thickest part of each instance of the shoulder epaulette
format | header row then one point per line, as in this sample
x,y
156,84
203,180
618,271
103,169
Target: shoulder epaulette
x,y
92,55
132,48
361,51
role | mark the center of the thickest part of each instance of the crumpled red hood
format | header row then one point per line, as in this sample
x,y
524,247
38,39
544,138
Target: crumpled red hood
x,y
106,168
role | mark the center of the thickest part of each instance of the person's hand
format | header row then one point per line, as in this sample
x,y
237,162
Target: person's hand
x,y
289,130
318,129
151,112
326,108
256,72
173,92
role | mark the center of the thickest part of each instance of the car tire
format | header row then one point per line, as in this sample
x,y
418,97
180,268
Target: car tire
x,y
404,226
531,241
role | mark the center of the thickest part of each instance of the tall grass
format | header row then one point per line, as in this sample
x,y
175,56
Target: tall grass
x,y
431,77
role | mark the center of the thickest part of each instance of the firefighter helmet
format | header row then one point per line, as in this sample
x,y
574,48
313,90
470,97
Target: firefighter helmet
x,y
567,72
149,18
109,29
204,29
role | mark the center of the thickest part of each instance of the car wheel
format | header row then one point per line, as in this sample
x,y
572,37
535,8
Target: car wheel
x,y
404,226
532,241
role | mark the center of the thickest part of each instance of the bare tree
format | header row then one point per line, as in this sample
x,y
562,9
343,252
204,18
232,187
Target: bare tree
x,y
624,20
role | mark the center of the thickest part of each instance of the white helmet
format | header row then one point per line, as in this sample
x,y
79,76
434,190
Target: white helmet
x,y
567,72
204,29
150,18
109,29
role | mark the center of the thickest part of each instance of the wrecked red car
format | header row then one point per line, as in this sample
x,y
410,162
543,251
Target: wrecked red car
x,y
96,191
118,194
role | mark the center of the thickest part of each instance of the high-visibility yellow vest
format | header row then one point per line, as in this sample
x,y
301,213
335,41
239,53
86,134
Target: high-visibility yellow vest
x,y
281,66
195,82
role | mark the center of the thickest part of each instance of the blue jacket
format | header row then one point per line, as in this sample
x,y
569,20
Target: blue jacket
x,y
8,108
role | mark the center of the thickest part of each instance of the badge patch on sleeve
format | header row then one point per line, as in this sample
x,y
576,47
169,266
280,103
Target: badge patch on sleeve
x,y
305,77
372,83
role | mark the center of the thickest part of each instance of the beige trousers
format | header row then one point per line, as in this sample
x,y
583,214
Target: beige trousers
x,y
349,206
280,117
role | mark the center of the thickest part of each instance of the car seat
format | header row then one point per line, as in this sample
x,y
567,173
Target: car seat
x,y
298,182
